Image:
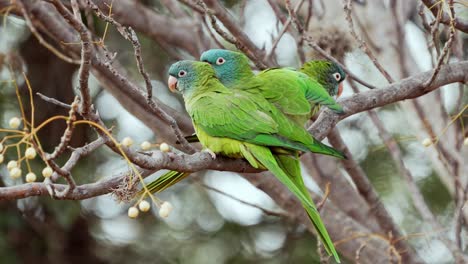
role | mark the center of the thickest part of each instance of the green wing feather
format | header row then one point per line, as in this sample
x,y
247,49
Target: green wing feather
x,y
252,119
291,89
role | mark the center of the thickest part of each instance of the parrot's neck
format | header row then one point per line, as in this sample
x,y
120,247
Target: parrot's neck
x,y
236,76
203,87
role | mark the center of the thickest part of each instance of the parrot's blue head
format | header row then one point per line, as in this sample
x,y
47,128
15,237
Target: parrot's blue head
x,y
185,75
230,67
329,74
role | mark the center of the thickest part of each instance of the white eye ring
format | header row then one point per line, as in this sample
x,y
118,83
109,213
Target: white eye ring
x,y
337,76
220,61
182,73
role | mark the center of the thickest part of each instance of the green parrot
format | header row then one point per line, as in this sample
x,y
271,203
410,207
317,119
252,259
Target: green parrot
x,y
232,68
242,124
298,94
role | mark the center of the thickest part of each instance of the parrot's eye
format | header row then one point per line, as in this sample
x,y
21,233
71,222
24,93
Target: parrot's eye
x,y
337,76
182,73
220,61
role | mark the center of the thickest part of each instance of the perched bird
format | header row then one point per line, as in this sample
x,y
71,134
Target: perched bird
x,y
240,124
299,99
298,94
327,73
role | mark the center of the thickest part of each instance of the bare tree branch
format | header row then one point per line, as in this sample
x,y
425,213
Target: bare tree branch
x,y
407,88
434,7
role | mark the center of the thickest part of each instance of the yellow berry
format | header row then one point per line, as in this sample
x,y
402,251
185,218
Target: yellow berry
x,y
15,173
31,177
12,164
165,209
14,122
145,145
465,142
132,212
1,158
127,142
427,142
164,147
30,153
47,172
144,206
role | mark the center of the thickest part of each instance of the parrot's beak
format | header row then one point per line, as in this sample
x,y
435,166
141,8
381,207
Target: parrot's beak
x,y
340,90
172,83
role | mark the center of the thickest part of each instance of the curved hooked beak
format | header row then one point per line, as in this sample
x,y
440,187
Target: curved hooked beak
x,y
340,90
172,83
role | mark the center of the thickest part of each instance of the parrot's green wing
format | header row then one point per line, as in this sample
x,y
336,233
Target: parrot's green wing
x,y
290,88
245,121
252,119
285,89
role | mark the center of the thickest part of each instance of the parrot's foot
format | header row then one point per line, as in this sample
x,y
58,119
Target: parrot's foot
x,y
212,154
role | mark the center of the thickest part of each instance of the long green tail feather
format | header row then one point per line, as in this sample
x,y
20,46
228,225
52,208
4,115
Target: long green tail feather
x,y
165,181
264,156
291,166
321,148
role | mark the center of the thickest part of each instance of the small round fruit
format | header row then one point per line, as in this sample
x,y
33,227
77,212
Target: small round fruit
x,y
127,142
31,177
165,209
144,206
427,142
145,145
15,173
30,153
47,172
12,164
164,147
132,212
14,122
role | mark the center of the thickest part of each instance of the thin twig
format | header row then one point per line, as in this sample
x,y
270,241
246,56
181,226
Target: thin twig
x,y
54,101
130,35
416,195
137,48
264,210
446,50
215,10
65,139
86,50
368,192
311,43
41,40
362,44
284,29
400,46
433,6
321,203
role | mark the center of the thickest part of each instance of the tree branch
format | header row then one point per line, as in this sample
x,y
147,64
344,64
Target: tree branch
x,y
407,88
